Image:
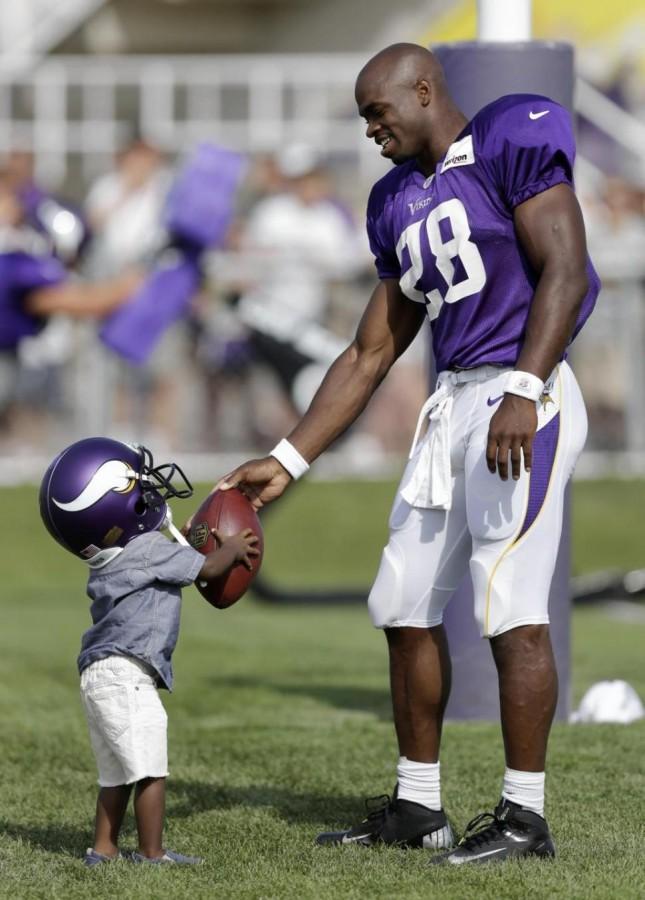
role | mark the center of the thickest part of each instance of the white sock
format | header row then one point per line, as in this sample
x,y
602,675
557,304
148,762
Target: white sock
x,y
525,788
419,782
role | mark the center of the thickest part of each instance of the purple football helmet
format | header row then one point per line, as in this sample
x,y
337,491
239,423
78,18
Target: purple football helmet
x,y
99,493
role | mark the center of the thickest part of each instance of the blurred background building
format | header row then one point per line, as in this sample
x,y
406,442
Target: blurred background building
x,y
103,103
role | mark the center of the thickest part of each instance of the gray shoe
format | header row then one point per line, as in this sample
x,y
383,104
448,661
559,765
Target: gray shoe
x,y
169,858
92,858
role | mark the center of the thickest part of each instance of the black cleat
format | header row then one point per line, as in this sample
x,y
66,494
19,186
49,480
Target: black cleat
x,y
398,822
510,831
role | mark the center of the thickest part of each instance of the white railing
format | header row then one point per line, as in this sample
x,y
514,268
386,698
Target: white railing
x,y
87,107
82,109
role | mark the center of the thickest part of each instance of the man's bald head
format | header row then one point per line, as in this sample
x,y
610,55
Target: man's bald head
x,y
403,65
402,95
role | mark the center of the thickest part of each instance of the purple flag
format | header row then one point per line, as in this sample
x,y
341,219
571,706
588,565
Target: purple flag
x,y
201,202
134,329
199,210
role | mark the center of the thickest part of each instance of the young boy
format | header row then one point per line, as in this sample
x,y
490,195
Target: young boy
x,y
105,502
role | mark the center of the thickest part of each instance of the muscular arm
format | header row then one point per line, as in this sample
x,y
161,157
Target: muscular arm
x,y
388,326
551,232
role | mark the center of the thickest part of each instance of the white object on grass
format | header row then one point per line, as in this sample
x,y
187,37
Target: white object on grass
x,y
610,701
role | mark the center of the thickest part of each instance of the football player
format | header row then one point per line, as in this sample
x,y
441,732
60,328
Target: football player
x,y
106,502
478,228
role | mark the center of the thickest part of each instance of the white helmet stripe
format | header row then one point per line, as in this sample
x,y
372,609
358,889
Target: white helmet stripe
x,y
113,475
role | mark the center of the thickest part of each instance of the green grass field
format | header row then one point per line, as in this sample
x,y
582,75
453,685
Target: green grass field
x,y
280,726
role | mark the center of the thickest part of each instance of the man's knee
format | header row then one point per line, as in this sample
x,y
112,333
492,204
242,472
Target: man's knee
x,y
405,638
528,644
528,637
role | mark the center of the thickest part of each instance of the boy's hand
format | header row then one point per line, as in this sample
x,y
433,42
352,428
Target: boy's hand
x,y
242,546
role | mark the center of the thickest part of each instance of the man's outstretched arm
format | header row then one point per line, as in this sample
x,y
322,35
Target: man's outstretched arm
x,y
388,326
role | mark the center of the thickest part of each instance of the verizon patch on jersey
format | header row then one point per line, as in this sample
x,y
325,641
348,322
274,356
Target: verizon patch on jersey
x,y
460,153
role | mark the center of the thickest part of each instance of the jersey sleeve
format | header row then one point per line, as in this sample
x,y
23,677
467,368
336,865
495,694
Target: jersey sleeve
x,y
379,231
531,148
171,562
33,272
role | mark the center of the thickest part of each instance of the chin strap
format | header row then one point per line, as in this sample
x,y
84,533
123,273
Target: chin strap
x,y
175,532
103,557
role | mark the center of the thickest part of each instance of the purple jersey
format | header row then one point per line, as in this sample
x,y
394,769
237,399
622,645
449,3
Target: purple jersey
x,y
449,238
20,274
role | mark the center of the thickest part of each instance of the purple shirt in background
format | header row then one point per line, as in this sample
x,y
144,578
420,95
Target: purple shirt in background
x,y
20,274
449,238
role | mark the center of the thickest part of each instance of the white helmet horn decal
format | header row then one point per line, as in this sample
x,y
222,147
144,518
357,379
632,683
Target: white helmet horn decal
x,y
113,475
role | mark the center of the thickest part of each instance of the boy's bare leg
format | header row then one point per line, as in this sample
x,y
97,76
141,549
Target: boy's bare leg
x,y
111,805
149,809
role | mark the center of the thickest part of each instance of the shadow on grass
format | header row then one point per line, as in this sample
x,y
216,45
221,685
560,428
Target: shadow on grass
x,y
188,797
55,838
356,699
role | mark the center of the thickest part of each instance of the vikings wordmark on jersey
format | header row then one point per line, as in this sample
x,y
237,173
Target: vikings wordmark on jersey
x,y
450,240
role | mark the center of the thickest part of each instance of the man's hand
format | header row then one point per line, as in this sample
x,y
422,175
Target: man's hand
x,y
512,428
261,480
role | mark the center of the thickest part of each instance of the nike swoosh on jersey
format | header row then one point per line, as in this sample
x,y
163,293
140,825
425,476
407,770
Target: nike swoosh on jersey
x,y
493,400
539,115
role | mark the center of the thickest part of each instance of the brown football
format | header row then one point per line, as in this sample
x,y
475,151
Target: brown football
x,y
229,512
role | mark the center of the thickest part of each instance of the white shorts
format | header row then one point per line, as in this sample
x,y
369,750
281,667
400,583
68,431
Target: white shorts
x,y
508,531
126,719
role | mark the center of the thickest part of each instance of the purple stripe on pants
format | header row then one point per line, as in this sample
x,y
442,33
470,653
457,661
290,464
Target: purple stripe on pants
x,y
545,445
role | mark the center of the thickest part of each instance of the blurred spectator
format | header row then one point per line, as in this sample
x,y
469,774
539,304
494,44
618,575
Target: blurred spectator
x,y
263,179
303,239
19,173
56,219
35,290
125,211
616,234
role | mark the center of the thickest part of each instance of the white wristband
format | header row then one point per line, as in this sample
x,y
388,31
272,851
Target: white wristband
x,y
288,456
524,384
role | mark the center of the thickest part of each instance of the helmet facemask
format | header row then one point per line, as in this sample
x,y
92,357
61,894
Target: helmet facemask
x,y
156,484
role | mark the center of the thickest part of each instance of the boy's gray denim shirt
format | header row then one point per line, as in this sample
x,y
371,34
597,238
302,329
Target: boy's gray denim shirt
x,y
136,603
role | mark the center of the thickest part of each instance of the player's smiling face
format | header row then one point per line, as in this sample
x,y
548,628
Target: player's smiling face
x,y
393,116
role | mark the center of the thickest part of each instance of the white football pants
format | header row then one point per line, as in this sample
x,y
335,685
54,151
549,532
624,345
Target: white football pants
x,y
507,531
